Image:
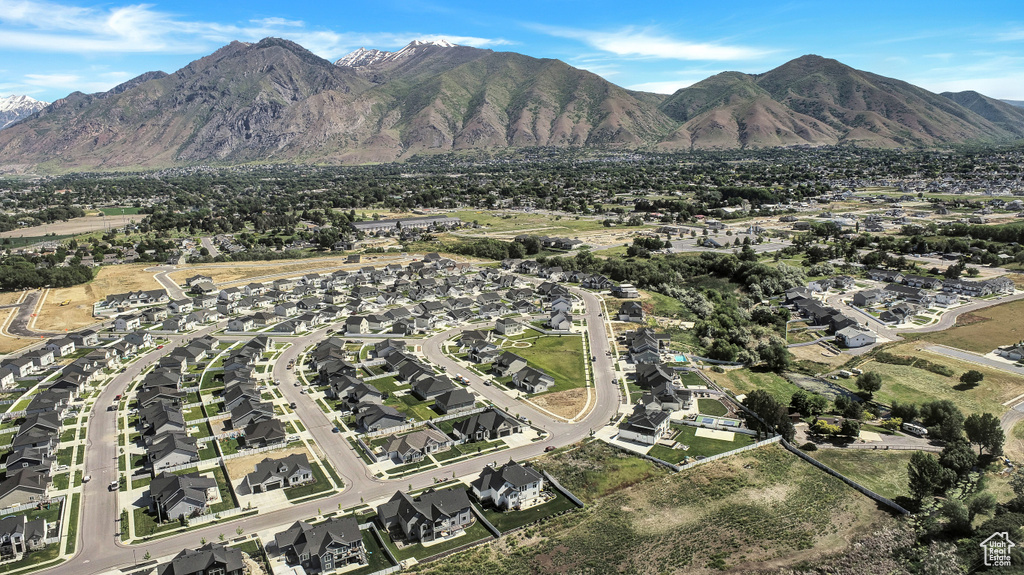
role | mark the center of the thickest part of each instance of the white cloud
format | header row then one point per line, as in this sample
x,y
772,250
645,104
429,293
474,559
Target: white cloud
x,y
1010,36
649,43
42,26
667,87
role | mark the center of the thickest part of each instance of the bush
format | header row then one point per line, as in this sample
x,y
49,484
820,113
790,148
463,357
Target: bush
x,y
809,446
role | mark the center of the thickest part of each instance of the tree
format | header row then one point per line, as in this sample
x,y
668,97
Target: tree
x,y
957,516
943,419
958,457
869,382
983,503
816,404
774,355
892,424
986,432
904,411
850,428
924,475
972,377
772,415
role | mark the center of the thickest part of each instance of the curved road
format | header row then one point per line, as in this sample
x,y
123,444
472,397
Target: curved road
x,y
99,548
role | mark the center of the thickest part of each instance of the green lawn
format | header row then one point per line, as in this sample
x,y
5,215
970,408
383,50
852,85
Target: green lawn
x,y
884,472
76,501
60,481
561,357
508,520
711,407
45,555
742,381
476,532
319,486
699,446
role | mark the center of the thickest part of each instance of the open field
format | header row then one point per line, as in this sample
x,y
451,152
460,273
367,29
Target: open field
x,y
243,271
742,381
566,403
74,226
78,313
818,354
759,510
983,330
560,356
884,472
908,384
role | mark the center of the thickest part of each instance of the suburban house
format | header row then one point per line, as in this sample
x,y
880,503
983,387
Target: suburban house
x,y
486,426
532,380
211,559
175,496
18,535
508,326
264,433
1012,352
373,417
853,337
645,427
325,547
170,450
273,474
511,486
507,364
23,486
416,445
631,311
454,400
427,517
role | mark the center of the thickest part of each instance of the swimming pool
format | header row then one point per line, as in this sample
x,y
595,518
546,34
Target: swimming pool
x,y
680,358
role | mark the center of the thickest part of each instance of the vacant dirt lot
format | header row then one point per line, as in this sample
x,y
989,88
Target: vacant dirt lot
x,y
242,466
564,403
74,226
78,312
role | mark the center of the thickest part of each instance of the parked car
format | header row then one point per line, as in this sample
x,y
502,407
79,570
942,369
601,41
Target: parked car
x,y
549,448
114,485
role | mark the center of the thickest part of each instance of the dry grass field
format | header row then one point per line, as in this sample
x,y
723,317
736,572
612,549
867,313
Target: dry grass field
x,y
755,511
909,384
566,403
983,330
73,226
78,313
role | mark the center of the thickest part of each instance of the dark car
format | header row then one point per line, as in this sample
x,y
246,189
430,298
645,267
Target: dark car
x,y
549,448
335,430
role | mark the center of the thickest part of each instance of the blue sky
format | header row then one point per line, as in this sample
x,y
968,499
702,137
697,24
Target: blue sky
x,y
51,48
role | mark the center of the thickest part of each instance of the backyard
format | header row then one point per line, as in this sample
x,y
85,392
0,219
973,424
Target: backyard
x,y
698,446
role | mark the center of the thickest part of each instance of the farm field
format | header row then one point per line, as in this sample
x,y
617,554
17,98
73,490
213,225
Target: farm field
x,y
909,384
742,381
884,472
78,313
983,330
759,510
74,226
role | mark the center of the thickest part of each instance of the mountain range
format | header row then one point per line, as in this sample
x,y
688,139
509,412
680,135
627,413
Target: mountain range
x,y
14,108
276,101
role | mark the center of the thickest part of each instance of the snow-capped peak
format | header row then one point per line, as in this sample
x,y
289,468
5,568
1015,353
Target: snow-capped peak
x,y
363,57
13,103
